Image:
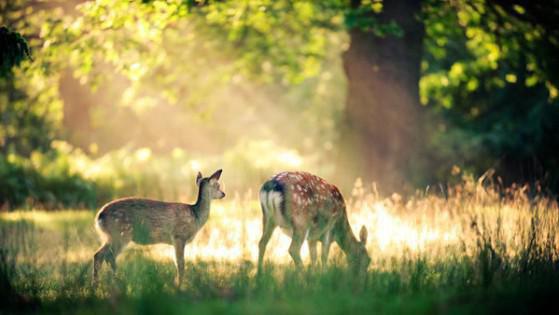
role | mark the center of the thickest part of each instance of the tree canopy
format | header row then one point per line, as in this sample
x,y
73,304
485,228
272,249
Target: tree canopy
x,y
488,76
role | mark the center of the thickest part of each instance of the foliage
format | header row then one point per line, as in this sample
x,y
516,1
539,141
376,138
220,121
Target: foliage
x,y
133,54
488,74
30,113
66,176
14,50
30,108
153,67
44,180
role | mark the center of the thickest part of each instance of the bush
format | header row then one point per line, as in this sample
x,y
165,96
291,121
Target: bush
x,y
66,177
47,185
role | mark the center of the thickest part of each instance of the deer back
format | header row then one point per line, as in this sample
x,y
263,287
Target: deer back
x,y
146,221
303,199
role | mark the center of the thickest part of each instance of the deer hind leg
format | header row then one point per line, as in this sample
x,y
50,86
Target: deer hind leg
x,y
267,231
106,253
179,260
312,251
102,255
114,250
295,248
98,259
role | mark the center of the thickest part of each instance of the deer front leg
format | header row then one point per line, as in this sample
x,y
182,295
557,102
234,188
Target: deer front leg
x,y
179,260
312,251
295,248
326,242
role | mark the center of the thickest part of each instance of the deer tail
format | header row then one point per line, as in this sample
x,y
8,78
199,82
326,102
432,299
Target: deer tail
x,y
272,197
100,226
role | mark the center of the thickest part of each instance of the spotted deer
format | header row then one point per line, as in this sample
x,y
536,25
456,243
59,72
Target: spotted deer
x,y
146,221
306,207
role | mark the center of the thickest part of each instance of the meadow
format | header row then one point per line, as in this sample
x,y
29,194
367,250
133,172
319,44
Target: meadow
x,y
473,247
101,99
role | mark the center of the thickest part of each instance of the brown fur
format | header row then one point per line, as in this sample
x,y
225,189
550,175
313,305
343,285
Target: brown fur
x,y
146,221
305,206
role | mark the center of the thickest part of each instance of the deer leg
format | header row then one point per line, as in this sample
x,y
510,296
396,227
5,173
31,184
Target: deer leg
x,y
267,231
326,242
113,252
179,260
295,248
312,251
98,259
107,252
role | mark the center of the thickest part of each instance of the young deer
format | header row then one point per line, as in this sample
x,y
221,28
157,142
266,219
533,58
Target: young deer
x,y
305,206
145,221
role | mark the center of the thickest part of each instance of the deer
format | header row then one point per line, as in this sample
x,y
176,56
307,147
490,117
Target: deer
x,y
146,221
307,207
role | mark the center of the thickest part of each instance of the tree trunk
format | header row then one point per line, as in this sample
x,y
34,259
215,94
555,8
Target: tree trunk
x,y
383,126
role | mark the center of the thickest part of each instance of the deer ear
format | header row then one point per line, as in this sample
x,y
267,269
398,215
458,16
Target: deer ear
x,y
198,178
363,235
216,175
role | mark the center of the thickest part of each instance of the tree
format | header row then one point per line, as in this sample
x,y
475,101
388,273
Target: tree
x,y
382,112
490,78
382,108
14,50
22,127
484,72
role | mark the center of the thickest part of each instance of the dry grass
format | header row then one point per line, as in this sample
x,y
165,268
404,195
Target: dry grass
x,y
469,239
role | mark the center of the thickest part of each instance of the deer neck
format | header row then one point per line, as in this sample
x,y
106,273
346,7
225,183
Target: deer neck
x,y
202,206
345,239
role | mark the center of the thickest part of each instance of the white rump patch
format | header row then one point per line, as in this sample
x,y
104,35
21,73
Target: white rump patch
x,y
264,200
274,200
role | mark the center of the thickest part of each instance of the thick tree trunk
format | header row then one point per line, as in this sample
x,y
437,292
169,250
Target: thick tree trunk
x,y
382,111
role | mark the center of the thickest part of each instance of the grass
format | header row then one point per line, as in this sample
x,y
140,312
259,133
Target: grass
x,y
477,249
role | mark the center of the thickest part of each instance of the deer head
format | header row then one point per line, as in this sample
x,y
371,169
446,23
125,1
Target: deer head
x,y
210,185
359,258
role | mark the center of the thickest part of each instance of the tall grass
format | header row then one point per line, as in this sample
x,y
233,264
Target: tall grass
x,y
475,247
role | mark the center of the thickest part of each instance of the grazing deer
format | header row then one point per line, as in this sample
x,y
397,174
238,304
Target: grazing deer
x,y
145,221
305,206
